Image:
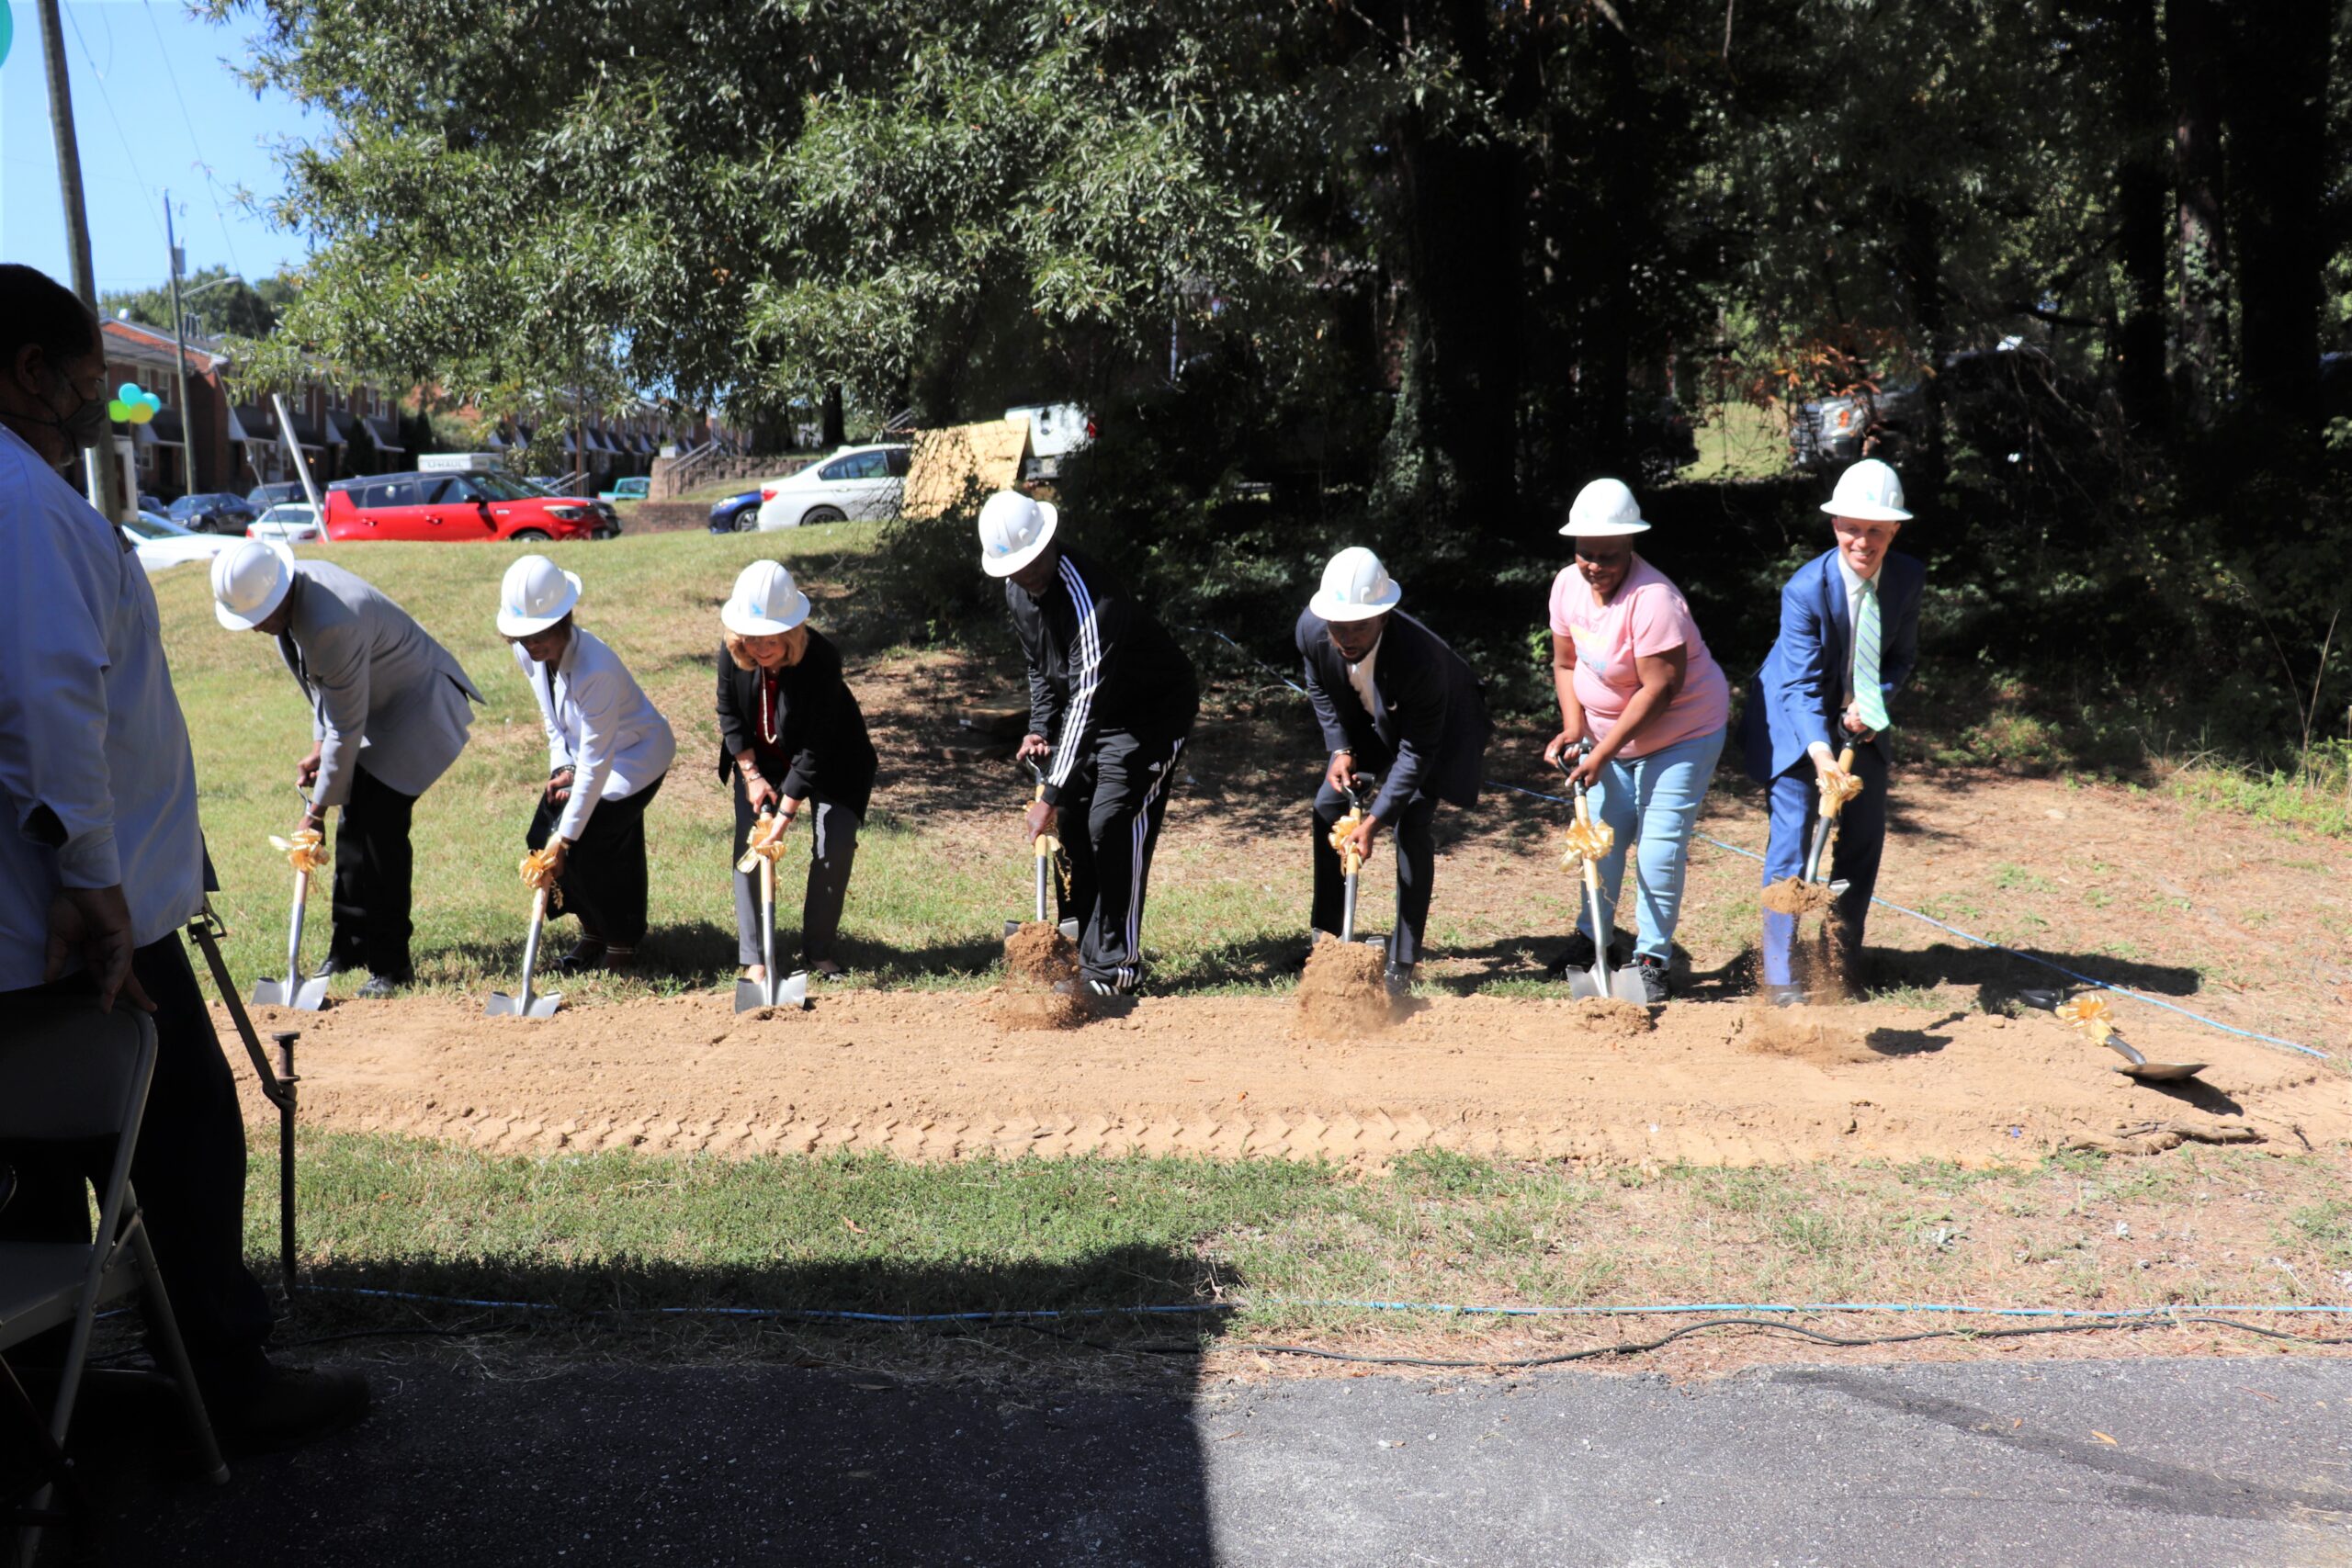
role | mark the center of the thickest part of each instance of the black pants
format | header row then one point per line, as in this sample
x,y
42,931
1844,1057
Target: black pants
x,y
832,850
188,1170
1416,868
373,871
604,876
1109,822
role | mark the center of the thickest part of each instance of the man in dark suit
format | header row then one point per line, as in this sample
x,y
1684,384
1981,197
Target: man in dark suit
x,y
1850,636
1394,701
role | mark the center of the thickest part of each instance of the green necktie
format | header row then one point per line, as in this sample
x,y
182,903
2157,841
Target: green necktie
x,y
1869,700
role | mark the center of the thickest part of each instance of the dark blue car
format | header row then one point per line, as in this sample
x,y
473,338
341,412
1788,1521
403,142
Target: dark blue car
x,y
737,514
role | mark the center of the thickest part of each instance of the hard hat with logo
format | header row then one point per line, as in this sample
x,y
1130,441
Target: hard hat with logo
x,y
1604,509
1356,587
534,596
765,602
1013,531
250,580
1870,491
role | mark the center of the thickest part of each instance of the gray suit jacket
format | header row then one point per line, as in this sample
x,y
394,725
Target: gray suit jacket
x,y
375,681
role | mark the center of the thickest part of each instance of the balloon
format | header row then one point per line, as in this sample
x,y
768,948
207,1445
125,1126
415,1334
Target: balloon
x,y
154,404
141,411
119,412
128,391
7,31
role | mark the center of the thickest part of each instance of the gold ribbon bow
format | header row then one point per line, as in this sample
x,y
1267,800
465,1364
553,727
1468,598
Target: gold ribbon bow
x,y
2091,1015
1837,788
306,851
1343,841
1590,840
763,845
538,870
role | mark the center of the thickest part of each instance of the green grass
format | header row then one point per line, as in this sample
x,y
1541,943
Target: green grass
x,y
2314,796
868,1233
1739,441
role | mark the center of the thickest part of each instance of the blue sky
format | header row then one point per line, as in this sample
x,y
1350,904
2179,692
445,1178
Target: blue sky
x,y
154,106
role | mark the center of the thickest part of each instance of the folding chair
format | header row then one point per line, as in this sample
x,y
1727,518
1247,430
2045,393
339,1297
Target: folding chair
x,y
69,1072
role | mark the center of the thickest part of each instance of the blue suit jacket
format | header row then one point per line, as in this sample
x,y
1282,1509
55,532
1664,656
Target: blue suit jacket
x,y
1796,698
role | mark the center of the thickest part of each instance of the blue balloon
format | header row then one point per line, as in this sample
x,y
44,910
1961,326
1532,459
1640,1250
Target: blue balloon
x,y
7,31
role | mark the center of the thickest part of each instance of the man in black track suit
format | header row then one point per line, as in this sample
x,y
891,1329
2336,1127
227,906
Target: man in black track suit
x,y
1111,700
1394,701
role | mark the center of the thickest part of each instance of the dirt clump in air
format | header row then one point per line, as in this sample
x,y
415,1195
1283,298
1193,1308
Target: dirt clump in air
x,y
1344,993
1040,988
1801,1034
1795,895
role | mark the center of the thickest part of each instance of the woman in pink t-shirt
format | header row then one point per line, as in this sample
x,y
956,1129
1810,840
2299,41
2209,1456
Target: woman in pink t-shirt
x,y
1635,678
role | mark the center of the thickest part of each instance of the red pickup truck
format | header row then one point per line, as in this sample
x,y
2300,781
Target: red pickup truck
x,y
474,505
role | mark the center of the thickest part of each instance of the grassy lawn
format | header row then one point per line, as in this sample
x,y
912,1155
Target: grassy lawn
x,y
1288,1242
1739,441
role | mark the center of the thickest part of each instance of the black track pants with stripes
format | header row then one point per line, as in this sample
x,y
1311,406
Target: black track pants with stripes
x,y
1109,822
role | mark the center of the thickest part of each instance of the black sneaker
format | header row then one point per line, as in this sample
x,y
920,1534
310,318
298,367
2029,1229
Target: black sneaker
x,y
1399,977
326,969
1652,973
284,1407
377,988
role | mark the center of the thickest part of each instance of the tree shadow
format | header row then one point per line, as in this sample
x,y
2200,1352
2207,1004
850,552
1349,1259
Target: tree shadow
x,y
753,1438
1998,976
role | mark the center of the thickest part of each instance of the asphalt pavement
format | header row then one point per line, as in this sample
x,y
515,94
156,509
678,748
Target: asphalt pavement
x,y
2149,1464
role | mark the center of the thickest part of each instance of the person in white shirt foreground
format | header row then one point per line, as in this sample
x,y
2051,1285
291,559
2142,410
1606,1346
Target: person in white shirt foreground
x,y
101,863
390,711
608,750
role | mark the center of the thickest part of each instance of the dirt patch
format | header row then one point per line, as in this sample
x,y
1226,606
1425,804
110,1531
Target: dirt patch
x,y
1805,1034
1229,1076
1040,988
1344,993
1612,1017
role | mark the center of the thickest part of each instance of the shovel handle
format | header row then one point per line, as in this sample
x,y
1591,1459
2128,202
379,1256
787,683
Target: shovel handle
x,y
1832,805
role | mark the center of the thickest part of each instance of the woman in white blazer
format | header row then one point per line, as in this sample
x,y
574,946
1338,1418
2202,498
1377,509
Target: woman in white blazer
x,y
608,750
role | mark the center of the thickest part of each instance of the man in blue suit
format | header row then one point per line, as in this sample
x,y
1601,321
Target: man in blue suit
x,y
1850,636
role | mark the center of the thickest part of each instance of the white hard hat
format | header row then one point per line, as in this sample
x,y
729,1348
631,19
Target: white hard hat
x,y
1603,510
765,602
250,580
1356,587
1014,529
534,596
1871,491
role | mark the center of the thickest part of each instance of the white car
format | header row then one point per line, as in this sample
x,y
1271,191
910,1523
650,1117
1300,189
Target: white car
x,y
160,543
289,522
855,484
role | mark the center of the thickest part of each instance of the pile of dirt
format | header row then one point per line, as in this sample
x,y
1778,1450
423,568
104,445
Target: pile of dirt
x,y
1344,993
1795,895
1612,1017
1805,1034
1040,988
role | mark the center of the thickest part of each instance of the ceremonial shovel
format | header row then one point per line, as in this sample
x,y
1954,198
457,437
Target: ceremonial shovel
x,y
769,992
1359,794
525,1004
305,996
2089,1015
1598,983
1044,874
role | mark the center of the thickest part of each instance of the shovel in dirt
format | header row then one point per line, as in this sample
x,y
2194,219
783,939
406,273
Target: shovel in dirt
x,y
1802,895
1047,848
2090,1014
769,992
1359,794
307,851
524,1003
1588,843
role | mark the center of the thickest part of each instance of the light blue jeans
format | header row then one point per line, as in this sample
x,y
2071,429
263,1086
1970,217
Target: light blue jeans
x,y
1653,797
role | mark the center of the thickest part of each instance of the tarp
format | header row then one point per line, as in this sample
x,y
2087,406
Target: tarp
x,y
964,462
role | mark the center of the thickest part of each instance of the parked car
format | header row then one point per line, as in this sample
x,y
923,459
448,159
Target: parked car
x,y
737,514
264,497
290,523
160,543
213,512
636,487
460,506
1055,430
1996,399
155,503
855,484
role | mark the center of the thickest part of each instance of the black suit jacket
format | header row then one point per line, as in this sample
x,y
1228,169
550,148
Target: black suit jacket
x,y
820,733
1430,734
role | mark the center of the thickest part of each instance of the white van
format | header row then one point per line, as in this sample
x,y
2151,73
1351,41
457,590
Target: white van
x,y
1055,430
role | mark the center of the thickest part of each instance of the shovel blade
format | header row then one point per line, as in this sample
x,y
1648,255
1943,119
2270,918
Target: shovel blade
x,y
1012,926
1584,986
1069,929
2160,1072
2047,1002
500,1005
310,996
792,991
751,995
269,993
1626,987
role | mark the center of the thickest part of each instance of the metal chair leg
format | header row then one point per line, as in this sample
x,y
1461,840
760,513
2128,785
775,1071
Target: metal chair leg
x,y
157,1303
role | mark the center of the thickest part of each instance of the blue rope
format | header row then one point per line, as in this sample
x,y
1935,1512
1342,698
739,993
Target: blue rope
x,y
1881,903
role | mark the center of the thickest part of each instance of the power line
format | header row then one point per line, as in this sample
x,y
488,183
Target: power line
x,y
203,165
147,206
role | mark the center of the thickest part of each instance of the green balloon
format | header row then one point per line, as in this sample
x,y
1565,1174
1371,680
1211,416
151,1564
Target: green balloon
x,y
119,412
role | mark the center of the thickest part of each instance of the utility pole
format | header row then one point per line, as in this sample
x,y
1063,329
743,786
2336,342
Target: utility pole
x,y
179,344
105,477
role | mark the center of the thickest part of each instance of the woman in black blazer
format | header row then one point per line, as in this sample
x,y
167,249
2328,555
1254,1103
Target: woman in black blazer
x,y
792,738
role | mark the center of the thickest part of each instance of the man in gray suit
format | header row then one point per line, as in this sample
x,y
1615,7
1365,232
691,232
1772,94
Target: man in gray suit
x,y
390,711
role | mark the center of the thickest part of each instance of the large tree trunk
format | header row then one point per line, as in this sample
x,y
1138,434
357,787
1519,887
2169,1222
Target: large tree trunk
x,y
835,433
2274,96
2193,31
1919,264
2142,187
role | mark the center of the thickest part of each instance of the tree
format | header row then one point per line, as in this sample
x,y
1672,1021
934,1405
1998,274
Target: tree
x,y
222,303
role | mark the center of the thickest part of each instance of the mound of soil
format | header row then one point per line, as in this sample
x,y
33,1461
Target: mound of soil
x,y
1344,993
1040,989
1612,1017
1803,1033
